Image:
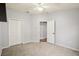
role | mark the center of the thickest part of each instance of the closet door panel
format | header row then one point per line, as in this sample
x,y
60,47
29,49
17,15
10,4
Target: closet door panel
x,y
14,32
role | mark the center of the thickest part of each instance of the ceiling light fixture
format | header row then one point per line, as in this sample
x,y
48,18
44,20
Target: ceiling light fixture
x,y
39,7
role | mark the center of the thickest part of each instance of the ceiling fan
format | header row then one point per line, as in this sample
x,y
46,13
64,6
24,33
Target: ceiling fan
x,y
40,7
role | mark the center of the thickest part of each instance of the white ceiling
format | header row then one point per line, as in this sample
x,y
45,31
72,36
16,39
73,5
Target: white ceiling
x,y
48,7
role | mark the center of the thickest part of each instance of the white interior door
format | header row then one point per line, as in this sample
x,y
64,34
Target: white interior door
x,y
14,32
50,31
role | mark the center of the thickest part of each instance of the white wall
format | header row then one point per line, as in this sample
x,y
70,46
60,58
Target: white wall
x,y
26,31
30,24
67,28
35,29
36,19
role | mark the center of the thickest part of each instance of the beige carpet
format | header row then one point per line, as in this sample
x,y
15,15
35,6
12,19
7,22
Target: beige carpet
x,y
38,49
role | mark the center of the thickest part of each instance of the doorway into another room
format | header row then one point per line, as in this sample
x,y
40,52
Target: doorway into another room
x,y
43,31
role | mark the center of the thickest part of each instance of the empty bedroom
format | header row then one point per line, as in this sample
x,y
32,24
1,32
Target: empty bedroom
x,y
39,29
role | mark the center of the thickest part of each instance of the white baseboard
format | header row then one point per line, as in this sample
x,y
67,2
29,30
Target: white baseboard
x,y
16,44
68,47
29,42
5,47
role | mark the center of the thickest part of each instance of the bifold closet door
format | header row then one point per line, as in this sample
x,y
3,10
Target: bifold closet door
x,y
14,32
4,35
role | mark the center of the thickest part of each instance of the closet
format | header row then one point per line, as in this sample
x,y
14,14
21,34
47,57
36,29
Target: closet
x,y
14,32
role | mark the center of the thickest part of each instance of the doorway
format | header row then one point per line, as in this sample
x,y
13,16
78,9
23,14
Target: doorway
x,y
43,31
47,31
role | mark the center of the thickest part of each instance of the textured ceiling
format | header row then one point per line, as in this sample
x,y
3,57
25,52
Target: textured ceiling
x,y
48,7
